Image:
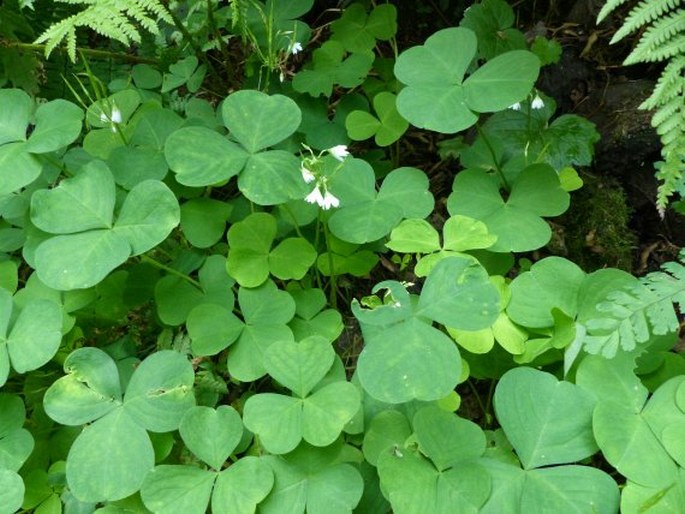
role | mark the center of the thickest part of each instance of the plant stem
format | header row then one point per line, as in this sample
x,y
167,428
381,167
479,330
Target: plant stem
x,y
494,158
486,413
171,271
333,293
102,54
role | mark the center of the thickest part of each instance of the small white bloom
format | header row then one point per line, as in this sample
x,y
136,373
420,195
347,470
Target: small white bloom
x,y
515,107
339,152
537,102
296,48
315,196
329,201
307,175
104,118
116,115
281,76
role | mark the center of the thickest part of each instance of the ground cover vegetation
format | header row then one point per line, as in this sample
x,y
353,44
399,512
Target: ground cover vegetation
x,y
228,284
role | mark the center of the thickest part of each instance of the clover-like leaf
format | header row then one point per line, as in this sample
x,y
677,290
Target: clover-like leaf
x,y
330,67
16,443
365,215
266,311
547,421
251,259
359,32
160,391
203,221
211,434
310,480
128,459
192,489
387,128
11,491
242,486
299,366
517,221
438,98
88,391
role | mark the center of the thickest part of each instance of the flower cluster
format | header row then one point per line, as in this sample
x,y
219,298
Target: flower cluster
x,y
536,103
320,194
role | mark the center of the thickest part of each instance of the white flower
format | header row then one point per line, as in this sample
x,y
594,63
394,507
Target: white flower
x,y
339,152
115,117
281,76
307,175
325,201
296,48
515,107
537,102
329,201
315,196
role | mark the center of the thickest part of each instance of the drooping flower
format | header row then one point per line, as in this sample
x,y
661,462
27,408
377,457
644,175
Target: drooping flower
x,y
296,48
307,175
329,201
339,152
315,196
515,107
537,102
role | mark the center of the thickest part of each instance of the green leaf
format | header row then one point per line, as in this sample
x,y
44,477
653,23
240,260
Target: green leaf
x,y
365,216
358,33
211,434
388,429
203,221
390,372
388,127
412,484
459,294
271,178
309,480
502,81
16,108
492,21
242,486
17,168
555,282
516,222
11,491
292,258
16,443
58,123
212,328
149,214
128,459
88,391
35,336
60,260
257,120
547,422
447,439
191,489
266,311
249,243
201,157
299,366
160,391
330,67
414,236
83,202
282,421
132,165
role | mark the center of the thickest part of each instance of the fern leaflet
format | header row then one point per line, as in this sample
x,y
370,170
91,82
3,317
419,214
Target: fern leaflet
x,y
111,18
633,315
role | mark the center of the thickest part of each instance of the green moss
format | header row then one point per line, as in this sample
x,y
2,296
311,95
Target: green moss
x,y
594,232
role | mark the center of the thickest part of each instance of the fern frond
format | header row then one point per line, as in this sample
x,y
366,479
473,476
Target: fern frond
x,y
662,40
642,14
669,85
633,315
609,6
114,19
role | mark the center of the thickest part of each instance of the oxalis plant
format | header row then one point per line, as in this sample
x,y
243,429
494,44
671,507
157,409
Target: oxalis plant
x,y
184,324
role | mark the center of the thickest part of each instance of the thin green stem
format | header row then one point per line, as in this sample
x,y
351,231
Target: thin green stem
x,y
498,168
486,413
171,271
101,54
333,293
295,226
